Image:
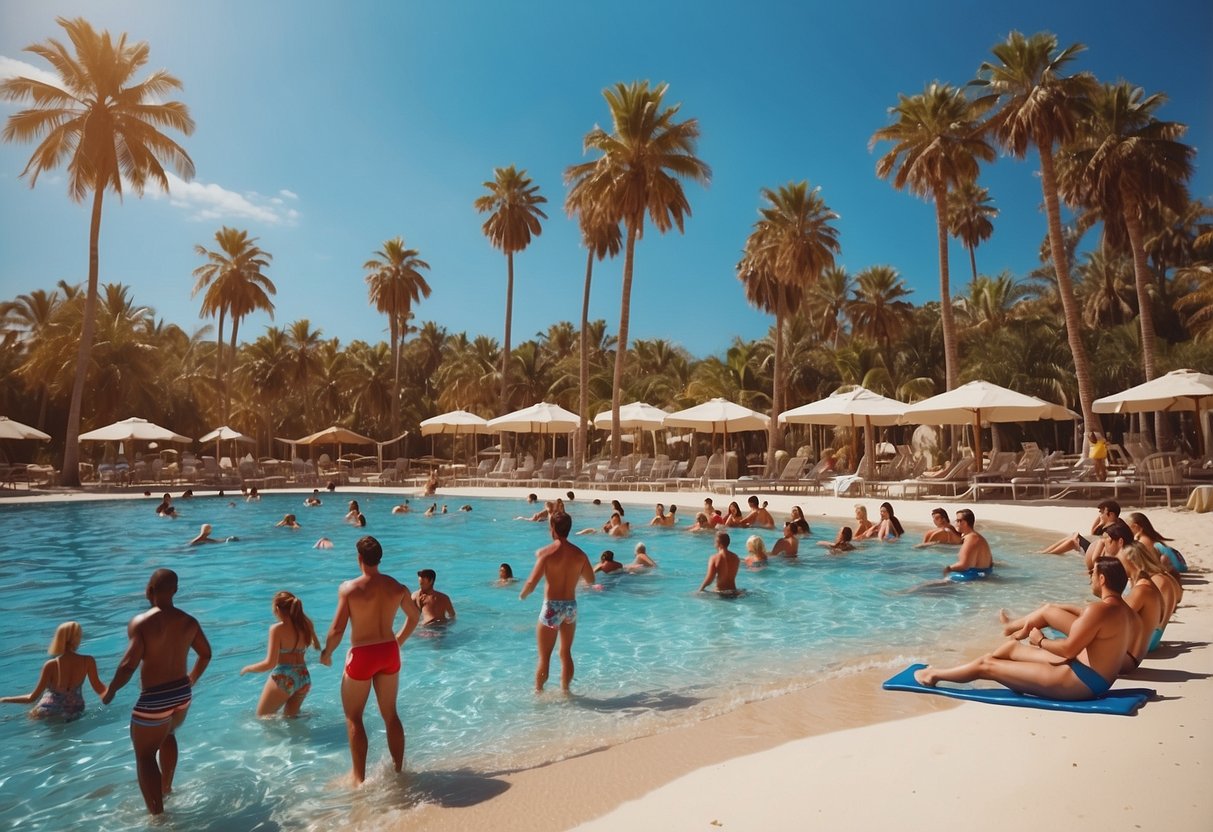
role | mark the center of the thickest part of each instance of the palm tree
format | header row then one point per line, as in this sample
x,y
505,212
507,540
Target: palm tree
x,y
793,242
969,215
304,345
638,172
395,283
602,240
1130,165
937,146
993,303
827,302
235,285
877,309
512,203
1039,106
27,319
105,127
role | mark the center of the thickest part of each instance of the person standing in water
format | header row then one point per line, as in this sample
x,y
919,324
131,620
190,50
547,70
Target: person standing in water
x,y
722,567
62,678
289,640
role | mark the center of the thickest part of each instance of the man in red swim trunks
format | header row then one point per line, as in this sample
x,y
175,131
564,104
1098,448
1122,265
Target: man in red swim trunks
x,y
369,603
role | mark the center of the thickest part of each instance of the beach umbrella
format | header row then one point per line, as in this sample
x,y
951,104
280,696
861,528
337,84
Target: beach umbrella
x,y
1178,390
455,423
543,418
225,434
131,430
978,403
12,429
335,435
634,416
842,408
718,416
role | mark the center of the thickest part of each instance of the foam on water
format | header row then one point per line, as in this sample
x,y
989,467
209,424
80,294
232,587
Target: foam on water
x,y
650,651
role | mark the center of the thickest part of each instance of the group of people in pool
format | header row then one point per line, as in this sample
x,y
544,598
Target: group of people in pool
x,y
1075,652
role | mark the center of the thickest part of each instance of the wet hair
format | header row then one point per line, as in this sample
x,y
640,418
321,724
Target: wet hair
x,y
673,509
509,572
893,519
701,519
354,505
1139,519
562,524
597,501
162,580
288,518
1113,572
1119,531
754,544
722,540
797,513
615,504
661,507
940,512
291,609
607,556
532,498
569,494
965,515
428,574
369,551
1110,506
67,637
753,501
847,534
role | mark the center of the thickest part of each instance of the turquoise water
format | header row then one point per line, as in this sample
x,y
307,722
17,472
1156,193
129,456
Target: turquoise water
x,y
650,652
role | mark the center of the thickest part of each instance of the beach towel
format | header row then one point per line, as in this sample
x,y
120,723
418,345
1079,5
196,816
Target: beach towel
x,y
1123,702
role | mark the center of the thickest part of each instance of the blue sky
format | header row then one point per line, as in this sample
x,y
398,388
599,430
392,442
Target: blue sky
x,y
326,128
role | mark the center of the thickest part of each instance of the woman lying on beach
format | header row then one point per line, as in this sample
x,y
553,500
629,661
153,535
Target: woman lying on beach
x,y
1145,533
289,640
842,543
62,679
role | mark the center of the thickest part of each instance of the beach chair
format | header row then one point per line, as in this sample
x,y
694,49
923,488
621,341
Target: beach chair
x,y
1161,472
845,483
478,476
950,480
691,476
716,473
504,471
790,473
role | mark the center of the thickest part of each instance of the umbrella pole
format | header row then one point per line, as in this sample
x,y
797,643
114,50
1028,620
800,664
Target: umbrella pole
x,y
977,439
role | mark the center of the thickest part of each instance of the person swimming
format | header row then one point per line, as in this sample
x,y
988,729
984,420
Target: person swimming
x,y
289,640
61,683
288,522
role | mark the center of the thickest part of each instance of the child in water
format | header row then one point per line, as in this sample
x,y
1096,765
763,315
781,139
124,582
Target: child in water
x,y
62,678
289,640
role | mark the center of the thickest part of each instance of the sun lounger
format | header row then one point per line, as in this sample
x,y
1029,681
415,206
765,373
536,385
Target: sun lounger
x,y
1161,472
791,473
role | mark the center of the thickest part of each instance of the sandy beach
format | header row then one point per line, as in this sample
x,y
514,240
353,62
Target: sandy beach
x,y
844,754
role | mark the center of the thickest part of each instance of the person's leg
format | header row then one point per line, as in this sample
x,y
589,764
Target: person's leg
x,y
295,703
1066,544
567,631
272,698
1011,665
354,693
147,741
168,752
386,685
1058,616
545,637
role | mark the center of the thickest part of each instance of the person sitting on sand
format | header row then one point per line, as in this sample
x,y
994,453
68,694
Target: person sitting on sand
x,y
787,546
289,640
1083,665
841,543
944,532
1145,600
722,568
798,523
1107,514
642,560
1145,533
607,563
701,524
403,508
351,516
61,682
323,543
756,551
505,575
1161,576
759,517
288,521
436,607
313,500
863,526
975,561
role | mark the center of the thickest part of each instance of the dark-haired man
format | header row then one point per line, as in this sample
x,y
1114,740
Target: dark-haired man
x,y
368,604
435,606
1107,514
160,641
722,567
975,561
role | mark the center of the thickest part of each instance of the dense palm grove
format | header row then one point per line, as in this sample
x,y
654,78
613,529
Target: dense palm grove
x,y
1135,303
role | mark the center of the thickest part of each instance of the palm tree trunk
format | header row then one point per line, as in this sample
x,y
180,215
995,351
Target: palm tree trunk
x,y
1065,289
219,356
505,352
1145,307
973,261
776,386
625,310
69,474
227,386
394,334
951,357
583,399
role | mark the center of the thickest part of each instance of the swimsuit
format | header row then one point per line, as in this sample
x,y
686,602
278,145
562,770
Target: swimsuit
x,y
1173,555
974,573
1155,639
157,704
1095,683
368,660
60,704
291,678
555,613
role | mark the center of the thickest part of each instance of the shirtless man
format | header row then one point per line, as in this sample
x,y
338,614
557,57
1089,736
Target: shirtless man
x,y
561,564
758,517
313,500
1082,665
975,560
722,567
160,640
369,603
1107,514
712,514
435,606
607,563
787,546
944,531
642,561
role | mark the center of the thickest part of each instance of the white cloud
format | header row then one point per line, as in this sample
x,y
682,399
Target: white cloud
x,y
13,68
208,201
288,194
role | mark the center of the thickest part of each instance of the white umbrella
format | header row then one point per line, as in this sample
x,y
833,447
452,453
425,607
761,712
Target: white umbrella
x,y
981,402
335,435
1175,391
718,416
226,434
842,408
543,418
456,422
634,416
133,429
12,429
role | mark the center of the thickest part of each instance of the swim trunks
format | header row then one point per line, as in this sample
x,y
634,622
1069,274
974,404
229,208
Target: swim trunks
x,y
60,704
1097,684
555,613
1155,639
291,678
975,573
157,704
367,660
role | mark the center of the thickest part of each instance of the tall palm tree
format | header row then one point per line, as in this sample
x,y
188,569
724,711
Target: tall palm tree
x,y
306,366
638,173
878,309
512,203
1038,106
969,215
937,144
793,242
827,302
106,129
1130,165
601,240
236,285
395,283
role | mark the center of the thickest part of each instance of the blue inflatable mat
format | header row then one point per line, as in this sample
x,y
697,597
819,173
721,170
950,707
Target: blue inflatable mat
x,y
1124,702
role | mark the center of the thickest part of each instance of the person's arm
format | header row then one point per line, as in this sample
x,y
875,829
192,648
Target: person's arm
x,y
271,653
94,678
966,557
450,607
587,573
337,628
711,576
533,580
1085,628
43,681
412,614
127,666
202,648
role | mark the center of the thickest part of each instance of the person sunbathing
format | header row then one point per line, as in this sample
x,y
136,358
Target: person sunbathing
x,y
1145,600
1145,533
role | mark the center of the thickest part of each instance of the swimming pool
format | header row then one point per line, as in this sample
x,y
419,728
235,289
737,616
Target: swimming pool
x,y
650,651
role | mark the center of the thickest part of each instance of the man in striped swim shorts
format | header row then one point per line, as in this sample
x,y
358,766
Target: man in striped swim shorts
x,y
160,641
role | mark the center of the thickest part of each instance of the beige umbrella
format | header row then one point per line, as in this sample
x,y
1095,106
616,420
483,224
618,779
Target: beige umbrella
x,y
335,435
543,418
133,429
1177,390
12,429
225,434
455,423
718,416
842,408
980,402
634,416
